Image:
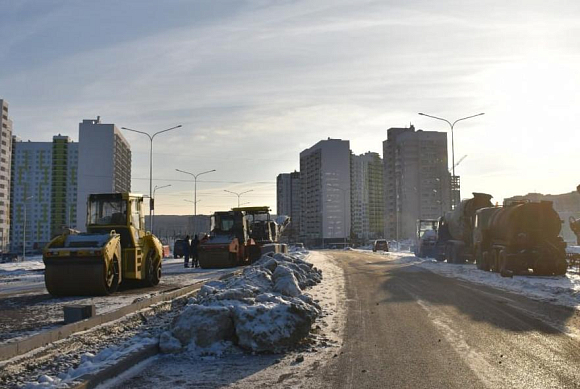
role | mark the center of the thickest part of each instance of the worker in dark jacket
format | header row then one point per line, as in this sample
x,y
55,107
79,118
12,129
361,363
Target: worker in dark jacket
x,y
194,258
186,251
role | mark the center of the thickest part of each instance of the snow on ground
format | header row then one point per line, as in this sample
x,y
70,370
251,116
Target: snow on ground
x,y
28,308
91,363
563,290
15,276
220,364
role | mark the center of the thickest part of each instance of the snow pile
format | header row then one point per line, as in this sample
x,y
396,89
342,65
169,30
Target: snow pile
x,y
90,363
262,310
554,289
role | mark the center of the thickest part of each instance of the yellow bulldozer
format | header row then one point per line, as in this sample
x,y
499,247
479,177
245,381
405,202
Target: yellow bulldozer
x,y
116,248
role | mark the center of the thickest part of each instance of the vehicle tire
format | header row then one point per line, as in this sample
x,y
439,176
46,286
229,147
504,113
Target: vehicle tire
x,y
502,261
494,265
111,280
485,261
152,269
458,253
561,267
478,258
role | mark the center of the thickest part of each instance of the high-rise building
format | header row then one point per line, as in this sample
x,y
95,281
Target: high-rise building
x,y
43,190
104,163
288,202
325,182
417,180
367,202
5,168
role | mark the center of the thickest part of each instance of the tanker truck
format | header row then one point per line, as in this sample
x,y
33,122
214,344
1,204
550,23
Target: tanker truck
x,y
518,237
455,230
575,223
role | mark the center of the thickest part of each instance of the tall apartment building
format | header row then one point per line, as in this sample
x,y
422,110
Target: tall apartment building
x,y
367,202
325,182
104,163
5,167
417,182
43,190
288,201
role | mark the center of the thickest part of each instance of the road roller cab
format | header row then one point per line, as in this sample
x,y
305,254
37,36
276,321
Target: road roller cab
x,y
116,248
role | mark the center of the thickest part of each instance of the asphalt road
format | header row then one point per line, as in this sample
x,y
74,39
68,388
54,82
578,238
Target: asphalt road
x,y
409,328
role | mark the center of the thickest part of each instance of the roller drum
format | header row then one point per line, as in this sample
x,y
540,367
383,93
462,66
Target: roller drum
x,y
74,276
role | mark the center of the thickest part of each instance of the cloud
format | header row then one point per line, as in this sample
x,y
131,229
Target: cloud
x,y
256,83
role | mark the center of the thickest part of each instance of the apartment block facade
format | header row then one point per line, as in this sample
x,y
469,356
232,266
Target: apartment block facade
x,y
367,203
288,202
325,200
43,190
104,163
5,175
416,179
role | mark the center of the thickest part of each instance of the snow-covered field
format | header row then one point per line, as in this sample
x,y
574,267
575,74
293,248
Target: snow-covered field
x,y
557,290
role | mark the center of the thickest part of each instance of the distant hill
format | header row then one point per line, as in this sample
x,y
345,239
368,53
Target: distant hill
x,y
566,204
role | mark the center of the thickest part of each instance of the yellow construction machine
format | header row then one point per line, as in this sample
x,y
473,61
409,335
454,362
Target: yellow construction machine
x,y
116,248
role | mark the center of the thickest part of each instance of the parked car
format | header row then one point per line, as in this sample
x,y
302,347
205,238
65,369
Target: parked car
x,y
179,248
380,244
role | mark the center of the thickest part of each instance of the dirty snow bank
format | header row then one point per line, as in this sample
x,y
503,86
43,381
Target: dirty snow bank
x,y
554,289
91,363
264,309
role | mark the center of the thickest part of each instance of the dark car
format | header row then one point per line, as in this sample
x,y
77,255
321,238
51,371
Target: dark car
x,y
380,244
180,248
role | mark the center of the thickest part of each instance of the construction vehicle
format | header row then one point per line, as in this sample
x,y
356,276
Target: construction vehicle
x,y
115,249
240,237
265,231
575,223
518,237
229,243
426,238
455,230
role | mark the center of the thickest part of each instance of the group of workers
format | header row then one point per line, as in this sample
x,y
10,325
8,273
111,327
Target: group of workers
x,y
190,250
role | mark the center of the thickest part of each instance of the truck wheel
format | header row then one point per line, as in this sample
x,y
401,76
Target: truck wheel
x,y
459,257
502,258
478,258
485,259
561,267
152,270
494,261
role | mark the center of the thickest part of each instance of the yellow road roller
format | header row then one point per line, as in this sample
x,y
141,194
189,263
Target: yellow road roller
x,y
115,249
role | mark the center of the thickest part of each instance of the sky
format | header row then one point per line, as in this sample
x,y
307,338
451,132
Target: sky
x,y
253,83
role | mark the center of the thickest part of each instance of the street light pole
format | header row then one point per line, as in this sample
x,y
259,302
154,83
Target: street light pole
x,y
451,125
238,194
153,199
151,137
24,230
195,186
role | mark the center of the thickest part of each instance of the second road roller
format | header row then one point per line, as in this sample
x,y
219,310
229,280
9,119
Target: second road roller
x,y
116,248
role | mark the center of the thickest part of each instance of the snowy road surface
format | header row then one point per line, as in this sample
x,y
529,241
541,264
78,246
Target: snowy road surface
x,y
27,308
410,328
